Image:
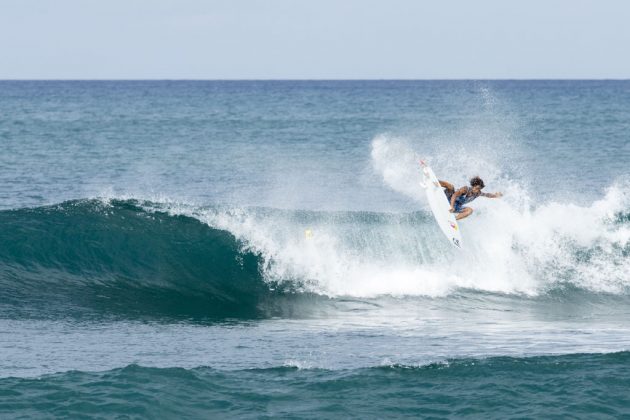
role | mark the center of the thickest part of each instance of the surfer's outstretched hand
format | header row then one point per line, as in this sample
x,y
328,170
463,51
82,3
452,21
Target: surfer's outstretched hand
x,y
493,195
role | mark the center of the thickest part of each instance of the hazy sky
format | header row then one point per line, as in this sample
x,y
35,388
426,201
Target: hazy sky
x,y
308,39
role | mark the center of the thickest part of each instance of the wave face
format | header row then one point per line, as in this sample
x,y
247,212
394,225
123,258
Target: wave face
x,y
115,257
503,387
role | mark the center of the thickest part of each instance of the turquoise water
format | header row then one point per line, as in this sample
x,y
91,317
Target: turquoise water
x,y
154,260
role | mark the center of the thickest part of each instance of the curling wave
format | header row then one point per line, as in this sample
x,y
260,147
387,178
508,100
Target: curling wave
x,y
114,256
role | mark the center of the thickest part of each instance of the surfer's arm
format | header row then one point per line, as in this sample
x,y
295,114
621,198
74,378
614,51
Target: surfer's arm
x,y
492,195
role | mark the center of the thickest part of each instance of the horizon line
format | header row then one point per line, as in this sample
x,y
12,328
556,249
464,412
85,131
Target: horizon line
x,y
301,80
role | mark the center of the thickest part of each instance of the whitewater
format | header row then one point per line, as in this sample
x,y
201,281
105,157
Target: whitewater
x,y
245,234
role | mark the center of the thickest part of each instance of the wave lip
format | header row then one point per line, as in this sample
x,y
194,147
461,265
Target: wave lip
x,y
587,385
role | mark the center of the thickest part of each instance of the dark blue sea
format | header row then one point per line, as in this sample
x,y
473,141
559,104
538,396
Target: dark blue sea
x,y
263,249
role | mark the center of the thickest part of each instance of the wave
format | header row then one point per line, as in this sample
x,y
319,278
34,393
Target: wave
x,y
132,257
592,385
114,256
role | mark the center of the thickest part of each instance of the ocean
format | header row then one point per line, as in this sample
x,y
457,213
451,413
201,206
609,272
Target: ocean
x,y
263,249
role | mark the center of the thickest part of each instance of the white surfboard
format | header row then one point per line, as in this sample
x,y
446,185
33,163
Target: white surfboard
x,y
440,207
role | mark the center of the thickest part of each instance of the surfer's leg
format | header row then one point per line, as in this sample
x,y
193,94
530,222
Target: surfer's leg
x,y
466,211
450,188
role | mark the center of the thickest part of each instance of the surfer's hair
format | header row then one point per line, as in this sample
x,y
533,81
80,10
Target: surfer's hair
x,y
475,180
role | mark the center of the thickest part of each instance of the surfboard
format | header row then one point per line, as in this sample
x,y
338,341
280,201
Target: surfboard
x,y
440,206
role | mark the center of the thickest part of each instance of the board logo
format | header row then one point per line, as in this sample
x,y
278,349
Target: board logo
x,y
453,225
456,242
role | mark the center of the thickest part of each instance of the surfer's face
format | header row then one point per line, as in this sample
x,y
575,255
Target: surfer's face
x,y
476,189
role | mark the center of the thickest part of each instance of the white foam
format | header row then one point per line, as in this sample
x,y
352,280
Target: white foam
x,y
508,250
511,246
398,164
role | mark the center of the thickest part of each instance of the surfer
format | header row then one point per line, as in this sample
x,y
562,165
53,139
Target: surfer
x,y
465,195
